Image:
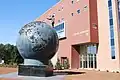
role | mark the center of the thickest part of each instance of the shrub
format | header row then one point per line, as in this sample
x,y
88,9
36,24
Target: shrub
x,y
66,64
50,63
9,66
58,65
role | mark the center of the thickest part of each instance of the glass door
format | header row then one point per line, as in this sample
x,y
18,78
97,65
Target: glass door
x,y
88,56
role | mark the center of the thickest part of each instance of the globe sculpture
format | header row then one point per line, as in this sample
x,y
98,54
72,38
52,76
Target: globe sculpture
x,y
37,43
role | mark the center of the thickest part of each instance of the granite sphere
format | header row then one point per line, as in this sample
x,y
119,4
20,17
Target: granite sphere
x,y
37,40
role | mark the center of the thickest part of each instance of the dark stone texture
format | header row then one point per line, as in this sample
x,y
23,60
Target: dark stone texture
x,y
37,40
39,71
37,43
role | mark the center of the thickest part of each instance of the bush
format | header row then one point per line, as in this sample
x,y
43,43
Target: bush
x,y
9,65
58,65
66,64
50,63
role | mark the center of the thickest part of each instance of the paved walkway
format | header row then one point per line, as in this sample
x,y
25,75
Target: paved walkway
x,y
85,75
5,70
93,75
14,76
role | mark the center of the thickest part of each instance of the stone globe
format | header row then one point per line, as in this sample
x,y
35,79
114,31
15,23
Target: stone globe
x,y
37,41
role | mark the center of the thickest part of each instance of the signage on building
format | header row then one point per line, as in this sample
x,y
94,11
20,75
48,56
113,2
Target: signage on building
x,y
81,33
60,29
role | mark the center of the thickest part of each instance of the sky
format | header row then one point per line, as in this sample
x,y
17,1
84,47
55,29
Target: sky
x,y
14,14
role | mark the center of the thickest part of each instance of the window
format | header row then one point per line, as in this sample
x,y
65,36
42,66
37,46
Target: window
x,y
58,21
119,10
92,49
110,8
62,9
111,26
113,52
54,14
72,14
59,10
111,21
62,19
109,3
59,27
112,34
78,11
110,14
85,8
112,42
60,30
72,1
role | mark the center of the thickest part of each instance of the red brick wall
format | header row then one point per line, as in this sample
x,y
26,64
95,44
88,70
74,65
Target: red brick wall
x,y
78,27
93,20
75,57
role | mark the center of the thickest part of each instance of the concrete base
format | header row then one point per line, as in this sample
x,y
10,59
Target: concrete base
x,y
32,70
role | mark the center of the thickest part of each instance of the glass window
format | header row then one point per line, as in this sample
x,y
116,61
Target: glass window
x,y
58,9
62,25
58,21
110,8
62,7
113,52
72,14
112,34
88,49
119,10
78,11
59,27
110,14
109,3
91,49
94,49
111,26
111,21
72,1
62,19
112,42
112,47
111,30
85,6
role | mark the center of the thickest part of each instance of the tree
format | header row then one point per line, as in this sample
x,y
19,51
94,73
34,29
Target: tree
x,y
18,58
2,51
10,54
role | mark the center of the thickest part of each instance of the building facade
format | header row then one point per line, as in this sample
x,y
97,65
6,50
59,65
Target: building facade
x,y
88,33
109,34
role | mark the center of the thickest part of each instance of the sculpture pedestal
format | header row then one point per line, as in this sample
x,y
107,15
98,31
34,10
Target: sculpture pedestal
x,y
32,70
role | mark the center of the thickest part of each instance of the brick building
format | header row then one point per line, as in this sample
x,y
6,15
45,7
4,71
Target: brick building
x,y
88,33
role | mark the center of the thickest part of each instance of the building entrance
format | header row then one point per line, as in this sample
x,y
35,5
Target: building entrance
x,y
88,56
